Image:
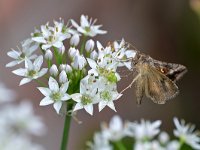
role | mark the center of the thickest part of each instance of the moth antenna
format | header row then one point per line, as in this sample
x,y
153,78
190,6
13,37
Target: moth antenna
x,y
73,114
130,85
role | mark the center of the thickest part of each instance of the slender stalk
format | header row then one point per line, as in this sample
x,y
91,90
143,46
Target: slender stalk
x,y
83,44
66,129
120,145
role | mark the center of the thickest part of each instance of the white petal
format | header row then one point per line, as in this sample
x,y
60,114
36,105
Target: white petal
x,y
46,101
25,80
64,87
46,46
42,72
29,64
84,21
111,105
76,97
20,72
78,106
65,97
39,39
89,109
13,54
38,62
12,63
116,123
99,46
92,63
45,91
57,106
101,105
74,23
53,84
58,44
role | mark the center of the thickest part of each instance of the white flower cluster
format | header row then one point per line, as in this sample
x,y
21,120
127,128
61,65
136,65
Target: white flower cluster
x,y
18,123
145,135
69,80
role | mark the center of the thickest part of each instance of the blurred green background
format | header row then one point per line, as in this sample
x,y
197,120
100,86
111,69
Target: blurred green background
x,y
166,30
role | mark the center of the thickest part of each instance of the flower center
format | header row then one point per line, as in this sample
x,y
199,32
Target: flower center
x,y
87,29
56,96
86,100
105,95
32,73
109,74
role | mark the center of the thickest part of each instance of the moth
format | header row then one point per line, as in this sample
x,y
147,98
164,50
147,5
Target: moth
x,y
155,79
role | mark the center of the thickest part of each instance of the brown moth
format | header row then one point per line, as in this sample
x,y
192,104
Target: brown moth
x,y
155,79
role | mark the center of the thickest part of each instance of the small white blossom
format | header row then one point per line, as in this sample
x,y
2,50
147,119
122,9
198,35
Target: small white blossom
x,y
79,62
73,52
163,137
99,143
31,71
186,133
85,99
93,55
7,94
173,145
52,36
62,67
115,130
28,47
20,120
89,45
68,69
144,130
87,26
54,94
53,70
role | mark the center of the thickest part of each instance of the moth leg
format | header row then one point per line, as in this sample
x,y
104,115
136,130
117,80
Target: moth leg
x,y
130,85
139,90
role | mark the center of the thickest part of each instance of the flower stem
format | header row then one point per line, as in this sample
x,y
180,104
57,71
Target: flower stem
x,y
120,145
83,44
66,129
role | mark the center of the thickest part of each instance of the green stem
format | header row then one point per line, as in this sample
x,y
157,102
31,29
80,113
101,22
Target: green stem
x,y
120,145
40,83
66,129
83,44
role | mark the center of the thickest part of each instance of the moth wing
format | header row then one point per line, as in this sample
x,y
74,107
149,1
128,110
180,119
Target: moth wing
x,y
139,84
158,87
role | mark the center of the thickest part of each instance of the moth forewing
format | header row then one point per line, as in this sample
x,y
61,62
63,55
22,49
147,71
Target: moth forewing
x,y
158,87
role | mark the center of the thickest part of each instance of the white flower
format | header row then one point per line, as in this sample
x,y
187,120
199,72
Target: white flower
x,y
85,99
20,120
186,133
7,94
93,55
163,137
123,54
28,47
107,94
173,145
63,77
99,143
48,55
154,145
144,130
115,130
31,71
54,94
87,26
52,36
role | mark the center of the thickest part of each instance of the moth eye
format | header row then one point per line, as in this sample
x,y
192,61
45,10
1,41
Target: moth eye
x,y
163,70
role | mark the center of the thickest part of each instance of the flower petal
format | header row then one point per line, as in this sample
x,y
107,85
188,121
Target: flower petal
x,y
78,106
45,91
46,101
89,109
57,106
20,72
53,84
24,81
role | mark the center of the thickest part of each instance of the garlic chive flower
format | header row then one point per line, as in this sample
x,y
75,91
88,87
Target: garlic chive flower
x,y
87,26
26,52
31,71
55,94
51,36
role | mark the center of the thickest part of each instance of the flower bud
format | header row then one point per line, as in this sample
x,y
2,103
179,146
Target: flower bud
x,y
68,69
89,46
53,70
61,50
72,52
79,62
63,77
74,41
62,67
94,55
48,55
